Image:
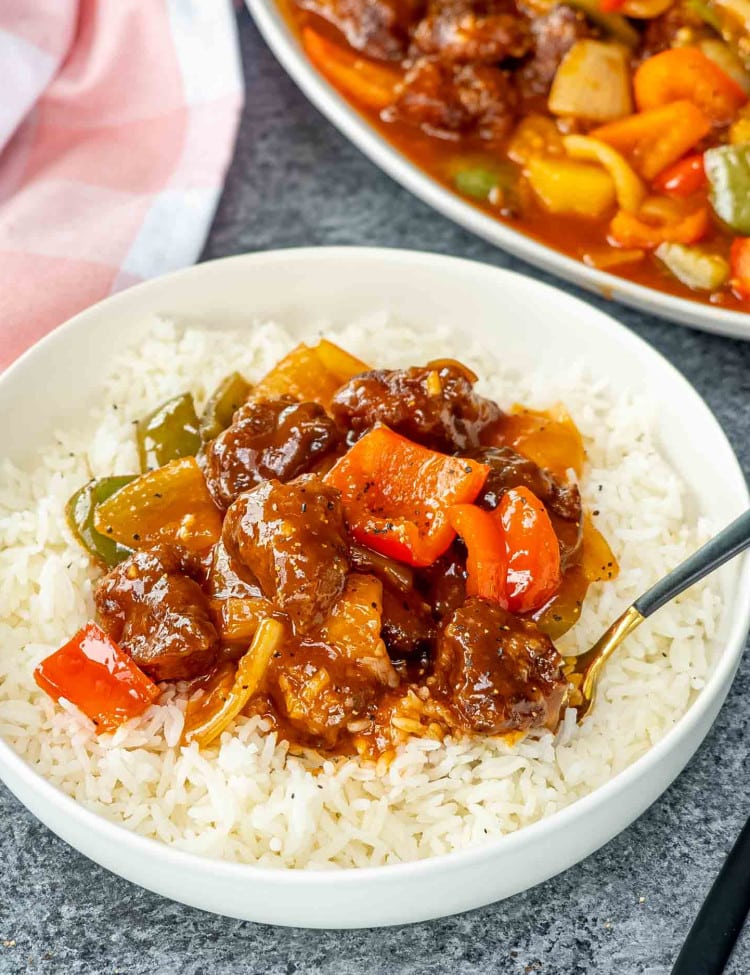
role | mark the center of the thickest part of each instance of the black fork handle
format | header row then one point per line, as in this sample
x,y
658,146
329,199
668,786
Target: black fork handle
x,y
722,547
714,932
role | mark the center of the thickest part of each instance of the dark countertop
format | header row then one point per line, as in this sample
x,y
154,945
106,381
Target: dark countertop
x,y
624,910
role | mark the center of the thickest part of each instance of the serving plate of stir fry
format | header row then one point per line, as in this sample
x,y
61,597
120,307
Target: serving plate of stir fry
x,y
608,142
294,594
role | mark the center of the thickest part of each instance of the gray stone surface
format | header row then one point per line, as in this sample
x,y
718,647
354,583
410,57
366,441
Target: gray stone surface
x,y
626,909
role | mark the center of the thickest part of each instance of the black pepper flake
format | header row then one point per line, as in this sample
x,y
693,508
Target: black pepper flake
x,y
136,537
596,512
304,507
109,529
468,469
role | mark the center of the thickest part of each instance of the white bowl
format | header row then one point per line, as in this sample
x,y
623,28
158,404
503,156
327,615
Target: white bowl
x,y
55,383
286,46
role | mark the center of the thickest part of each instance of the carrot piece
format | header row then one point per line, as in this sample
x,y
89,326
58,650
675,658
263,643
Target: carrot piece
x,y
657,138
683,178
92,672
687,73
628,230
371,84
739,259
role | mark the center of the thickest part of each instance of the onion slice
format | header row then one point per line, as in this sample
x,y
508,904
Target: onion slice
x,y
250,672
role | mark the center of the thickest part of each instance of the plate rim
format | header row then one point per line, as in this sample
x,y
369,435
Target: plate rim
x,y
529,835
324,96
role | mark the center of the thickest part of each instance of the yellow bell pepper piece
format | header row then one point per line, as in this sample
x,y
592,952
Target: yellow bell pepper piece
x,y
566,186
535,135
629,188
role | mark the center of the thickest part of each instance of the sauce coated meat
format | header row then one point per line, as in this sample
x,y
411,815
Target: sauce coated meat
x,y
434,405
292,538
268,439
153,605
500,672
384,619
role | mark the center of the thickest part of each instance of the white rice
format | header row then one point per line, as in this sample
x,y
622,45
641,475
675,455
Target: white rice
x,y
246,799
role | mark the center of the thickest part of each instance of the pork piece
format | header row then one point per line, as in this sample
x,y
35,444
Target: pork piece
x,y
291,537
153,607
509,469
229,579
500,673
327,681
553,36
434,406
408,628
319,691
378,28
278,438
466,31
450,100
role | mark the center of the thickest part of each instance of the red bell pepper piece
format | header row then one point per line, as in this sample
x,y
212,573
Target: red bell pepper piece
x,y
533,551
487,556
683,178
739,261
629,230
93,673
396,494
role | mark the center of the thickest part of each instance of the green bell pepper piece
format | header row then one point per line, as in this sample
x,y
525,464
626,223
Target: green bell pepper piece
x,y
728,172
228,396
479,181
171,431
79,512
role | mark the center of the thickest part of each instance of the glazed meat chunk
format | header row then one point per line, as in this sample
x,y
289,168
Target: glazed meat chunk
x,y
554,34
433,405
153,607
509,469
319,691
293,540
268,439
451,99
500,673
466,30
378,28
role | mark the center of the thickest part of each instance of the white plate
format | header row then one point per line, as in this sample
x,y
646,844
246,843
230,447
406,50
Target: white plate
x,y
285,45
55,383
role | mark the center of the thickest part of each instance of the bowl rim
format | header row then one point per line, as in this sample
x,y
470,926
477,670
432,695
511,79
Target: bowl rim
x,y
288,51
314,876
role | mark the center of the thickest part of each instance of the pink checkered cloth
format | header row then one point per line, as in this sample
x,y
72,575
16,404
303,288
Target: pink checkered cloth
x,y
117,124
